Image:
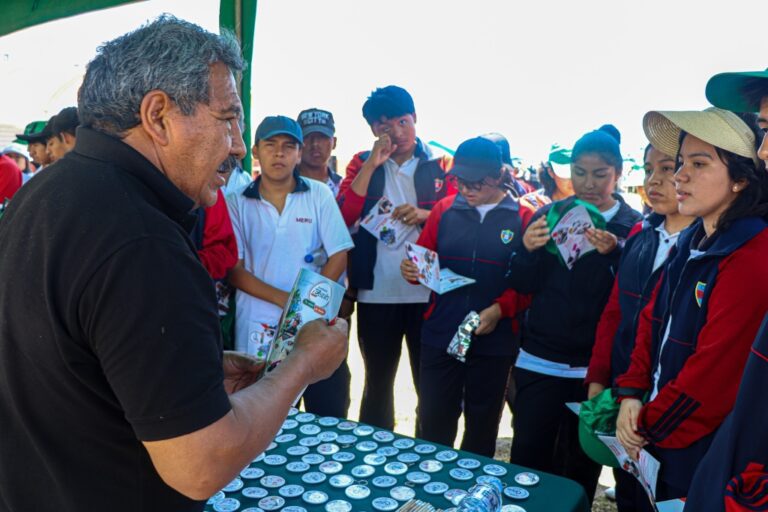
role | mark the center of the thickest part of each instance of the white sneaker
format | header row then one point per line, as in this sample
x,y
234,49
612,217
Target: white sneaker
x,y
610,493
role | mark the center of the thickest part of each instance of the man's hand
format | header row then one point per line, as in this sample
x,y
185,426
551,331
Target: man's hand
x,y
381,151
409,271
626,427
537,235
240,371
604,241
410,215
321,347
489,317
595,388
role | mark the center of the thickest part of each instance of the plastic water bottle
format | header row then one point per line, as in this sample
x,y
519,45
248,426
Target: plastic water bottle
x,y
485,497
318,258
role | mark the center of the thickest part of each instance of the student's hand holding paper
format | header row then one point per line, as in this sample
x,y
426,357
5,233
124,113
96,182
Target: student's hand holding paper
x,y
626,427
409,271
604,241
410,215
537,235
489,318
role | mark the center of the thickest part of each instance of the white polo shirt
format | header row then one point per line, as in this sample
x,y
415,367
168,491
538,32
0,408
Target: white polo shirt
x,y
273,246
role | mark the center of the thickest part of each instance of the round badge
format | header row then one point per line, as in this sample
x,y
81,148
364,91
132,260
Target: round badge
x,y
338,506
527,478
494,470
347,425
297,450
252,473
512,508
366,446
430,466
305,417
313,477
328,436
292,508
424,448
272,481
385,504
309,430
275,460
315,497
384,481
340,481
468,463
408,458
383,436
363,471
343,456
357,492
291,491
289,424
271,503
234,485
330,467
418,477
226,505
455,495
446,456
253,509
516,493
402,493
255,493
395,468
293,411
297,467
216,497
388,451
346,439
436,487
374,459
403,444
461,474
285,438
328,421
327,448
313,458
309,441
363,430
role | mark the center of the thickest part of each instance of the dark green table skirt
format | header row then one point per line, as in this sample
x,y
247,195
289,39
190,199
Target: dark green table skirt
x,y
323,436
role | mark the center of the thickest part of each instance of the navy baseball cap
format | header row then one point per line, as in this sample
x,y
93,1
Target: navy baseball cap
x,y
66,120
314,120
278,125
477,159
503,145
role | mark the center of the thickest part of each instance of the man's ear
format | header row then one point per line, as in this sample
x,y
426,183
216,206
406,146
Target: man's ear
x,y
153,112
334,144
414,117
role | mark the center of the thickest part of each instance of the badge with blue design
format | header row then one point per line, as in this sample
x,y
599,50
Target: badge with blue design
x,y
506,236
699,292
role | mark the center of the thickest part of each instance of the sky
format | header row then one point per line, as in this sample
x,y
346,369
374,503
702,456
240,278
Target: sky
x,y
539,72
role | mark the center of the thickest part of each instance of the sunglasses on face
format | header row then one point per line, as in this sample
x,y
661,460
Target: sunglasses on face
x,y
472,186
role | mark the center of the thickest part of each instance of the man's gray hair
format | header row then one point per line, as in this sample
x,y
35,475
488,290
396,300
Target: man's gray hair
x,y
167,54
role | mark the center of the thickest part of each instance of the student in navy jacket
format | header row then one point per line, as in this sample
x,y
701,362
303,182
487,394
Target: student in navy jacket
x,y
474,234
566,306
640,266
694,336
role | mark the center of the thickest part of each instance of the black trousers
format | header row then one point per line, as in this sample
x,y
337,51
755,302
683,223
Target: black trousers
x,y
630,496
380,331
449,387
330,397
546,433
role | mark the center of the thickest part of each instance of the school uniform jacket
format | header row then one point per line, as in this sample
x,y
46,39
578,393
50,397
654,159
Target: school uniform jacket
x,y
716,301
478,250
431,185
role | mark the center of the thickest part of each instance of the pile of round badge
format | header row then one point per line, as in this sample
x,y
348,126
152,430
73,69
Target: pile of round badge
x,y
324,464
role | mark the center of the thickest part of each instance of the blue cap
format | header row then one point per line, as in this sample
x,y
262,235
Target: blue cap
x,y
278,125
477,159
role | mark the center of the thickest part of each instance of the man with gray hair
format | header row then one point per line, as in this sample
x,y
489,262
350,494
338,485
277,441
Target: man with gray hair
x,y
115,393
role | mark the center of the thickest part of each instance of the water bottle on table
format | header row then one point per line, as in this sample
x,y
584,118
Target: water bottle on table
x,y
485,497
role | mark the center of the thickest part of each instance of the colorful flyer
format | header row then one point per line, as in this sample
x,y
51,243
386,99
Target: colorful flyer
x,y
430,274
645,470
568,235
312,296
380,223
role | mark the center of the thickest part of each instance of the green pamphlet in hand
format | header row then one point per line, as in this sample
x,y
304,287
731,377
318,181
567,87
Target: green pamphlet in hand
x,y
567,222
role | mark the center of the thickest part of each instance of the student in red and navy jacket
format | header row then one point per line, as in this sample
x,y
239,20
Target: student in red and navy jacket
x,y
640,266
694,336
733,476
474,234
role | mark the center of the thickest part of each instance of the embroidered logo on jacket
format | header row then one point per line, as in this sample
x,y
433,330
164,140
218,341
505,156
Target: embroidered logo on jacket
x,y
506,236
699,292
439,184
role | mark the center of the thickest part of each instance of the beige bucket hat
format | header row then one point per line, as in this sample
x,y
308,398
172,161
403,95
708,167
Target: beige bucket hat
x,y
721,128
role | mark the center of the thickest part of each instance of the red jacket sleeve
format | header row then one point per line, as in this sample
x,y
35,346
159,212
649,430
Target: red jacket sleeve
x,y
428,236
697,401
350,203
10,178
219,252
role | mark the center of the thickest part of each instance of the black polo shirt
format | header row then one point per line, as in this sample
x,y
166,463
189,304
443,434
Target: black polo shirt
x,y
108,334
